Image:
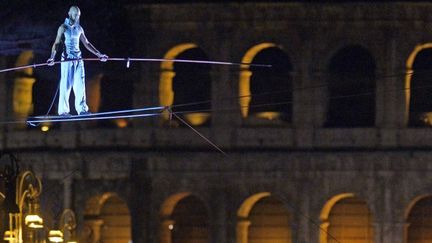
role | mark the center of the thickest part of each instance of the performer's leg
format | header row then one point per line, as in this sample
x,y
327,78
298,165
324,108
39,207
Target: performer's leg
x,y
65,87
79,89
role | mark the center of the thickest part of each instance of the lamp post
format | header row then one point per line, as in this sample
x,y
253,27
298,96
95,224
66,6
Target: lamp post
x,y
9,176
67,225
29,188
22,191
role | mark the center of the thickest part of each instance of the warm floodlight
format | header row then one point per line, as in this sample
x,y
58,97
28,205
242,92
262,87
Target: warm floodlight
x,y
34,221
55,236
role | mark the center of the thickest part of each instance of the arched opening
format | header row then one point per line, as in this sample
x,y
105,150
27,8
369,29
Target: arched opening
x,y
419,221
418,88
184,219
186,86
93,92
44,93
116,221
107,219
351,86
266,93
190,221
263,219
110,91
345,218
22,95
167,223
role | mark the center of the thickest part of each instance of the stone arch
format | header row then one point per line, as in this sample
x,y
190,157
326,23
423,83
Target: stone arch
x,y
338,209
248,74
323,56
245,75
107,219
94,204
169,204
260,213
167,94
166,210
418,223
247,205
183,217
351,88
412,203
22,96
411,108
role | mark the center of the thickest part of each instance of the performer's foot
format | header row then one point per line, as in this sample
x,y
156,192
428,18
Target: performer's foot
x,y
85,113
66,114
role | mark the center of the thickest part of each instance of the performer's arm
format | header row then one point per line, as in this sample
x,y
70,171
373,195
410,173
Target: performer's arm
x,y
57,42
92,49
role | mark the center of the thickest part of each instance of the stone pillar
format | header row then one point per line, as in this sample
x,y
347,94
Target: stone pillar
x,y
145,91
92,230
218,225
244,92
384,97
22,98
319,99
140,201
377,231
166,227
221,120
323,232
3,88
302,111
403,94
67,192
393,91
3,98
243,230
166,93
400,232
391,232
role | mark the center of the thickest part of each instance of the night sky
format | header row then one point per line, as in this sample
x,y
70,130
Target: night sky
x,y
37,21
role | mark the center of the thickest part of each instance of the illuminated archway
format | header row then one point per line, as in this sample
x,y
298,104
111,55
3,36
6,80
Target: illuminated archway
x,y
93,91
167,95
408,83
106,92
107,219
263,218
345,217
247,205
166,210
23,86
245,95
184,218
169,204
418,217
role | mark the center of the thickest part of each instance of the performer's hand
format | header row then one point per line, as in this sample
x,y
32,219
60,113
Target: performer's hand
x,y
50,62
103,57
